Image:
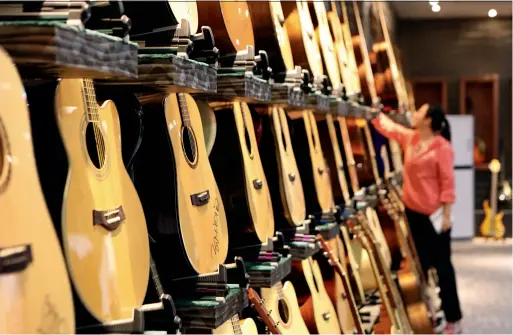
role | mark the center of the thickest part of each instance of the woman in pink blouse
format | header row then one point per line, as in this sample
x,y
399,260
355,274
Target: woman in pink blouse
x,y
428,184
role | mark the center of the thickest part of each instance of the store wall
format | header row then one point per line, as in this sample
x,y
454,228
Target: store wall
x,y
457,48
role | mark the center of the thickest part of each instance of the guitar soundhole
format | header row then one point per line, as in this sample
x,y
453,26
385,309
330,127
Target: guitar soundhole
x,y
95,145
189,145
283,309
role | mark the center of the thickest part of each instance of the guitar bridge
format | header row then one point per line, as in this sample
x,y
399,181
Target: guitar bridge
x,y
109,219
15,259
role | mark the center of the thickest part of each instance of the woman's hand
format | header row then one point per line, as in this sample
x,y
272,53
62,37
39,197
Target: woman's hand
x,y
446,223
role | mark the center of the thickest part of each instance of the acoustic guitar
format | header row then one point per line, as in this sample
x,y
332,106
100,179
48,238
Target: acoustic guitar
x,y
319,168
325,39
103,223
349,303
257,189
281,301
185,211
324,319
291,188
230,22
302,37
237,326
492,225
34,285
271,35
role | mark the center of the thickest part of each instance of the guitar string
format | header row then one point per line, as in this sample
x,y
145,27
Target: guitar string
x,y
92,115
98,135
185,114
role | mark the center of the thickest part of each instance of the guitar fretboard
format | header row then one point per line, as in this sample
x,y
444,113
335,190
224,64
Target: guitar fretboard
x,y
90,99
236,324
279,289
182,103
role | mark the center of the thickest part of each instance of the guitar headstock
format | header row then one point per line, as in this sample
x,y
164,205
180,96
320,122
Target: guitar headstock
x,y
258,305
495,166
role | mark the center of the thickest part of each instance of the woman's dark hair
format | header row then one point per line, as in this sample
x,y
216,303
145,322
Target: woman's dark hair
x,y
439,122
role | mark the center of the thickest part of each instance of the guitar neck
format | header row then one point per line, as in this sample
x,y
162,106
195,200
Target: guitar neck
x,y
90,100
182,102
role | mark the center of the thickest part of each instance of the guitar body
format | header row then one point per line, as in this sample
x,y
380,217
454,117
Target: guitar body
x,y
291,187
284,309
324,319
271,35
34,286
230,22
93,196
203,226
324,37
257,189
303,41
319,168
341,303
247,326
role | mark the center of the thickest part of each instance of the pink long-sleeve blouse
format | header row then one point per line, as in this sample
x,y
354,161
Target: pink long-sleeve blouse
x,y
428,176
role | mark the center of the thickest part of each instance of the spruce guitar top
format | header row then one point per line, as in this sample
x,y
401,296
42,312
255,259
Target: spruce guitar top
x,y
282,303
291,188
257,189
319,169
34,287
103,221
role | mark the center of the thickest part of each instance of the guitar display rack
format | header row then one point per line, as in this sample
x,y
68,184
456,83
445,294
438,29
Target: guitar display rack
x,y
292,91
244,76
172,68
206,301
300,241
266,263
54,52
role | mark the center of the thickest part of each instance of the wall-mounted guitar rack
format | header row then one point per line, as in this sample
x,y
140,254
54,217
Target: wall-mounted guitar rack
x,y
191,64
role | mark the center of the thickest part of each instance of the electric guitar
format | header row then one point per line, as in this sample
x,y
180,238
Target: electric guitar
x,y
257,189
103,223
492,225
282,303
271,35
291,188
302,37
34,286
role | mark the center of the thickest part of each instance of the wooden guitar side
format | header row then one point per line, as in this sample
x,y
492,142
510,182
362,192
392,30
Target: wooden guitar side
x,y
292,322
291,187
319,168
257,189
204,228
109,269
247,326
36,299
